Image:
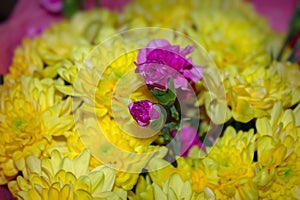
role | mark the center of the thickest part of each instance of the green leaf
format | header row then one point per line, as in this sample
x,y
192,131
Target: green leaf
x,y
166,97
294,28
158,124
174,113
70,8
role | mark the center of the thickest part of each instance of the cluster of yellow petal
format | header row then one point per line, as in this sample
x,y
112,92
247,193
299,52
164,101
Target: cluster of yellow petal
x,y
227,171
31,114
60,177
106,140
278,148
254,91
231,160
57,43
173,188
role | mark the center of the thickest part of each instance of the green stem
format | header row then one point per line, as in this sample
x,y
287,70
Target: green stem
x,y
97,3
294,51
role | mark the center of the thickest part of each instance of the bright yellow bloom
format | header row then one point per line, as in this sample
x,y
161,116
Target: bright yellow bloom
x,y
278,148
255,91
57,43
31,114
60,177
231,159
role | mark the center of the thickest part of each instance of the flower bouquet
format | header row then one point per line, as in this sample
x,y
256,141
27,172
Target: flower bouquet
x,y
162,100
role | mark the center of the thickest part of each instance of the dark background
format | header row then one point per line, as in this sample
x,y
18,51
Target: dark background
x,y
6,7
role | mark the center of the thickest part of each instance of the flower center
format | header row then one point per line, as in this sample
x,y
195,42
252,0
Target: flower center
x,y
18,124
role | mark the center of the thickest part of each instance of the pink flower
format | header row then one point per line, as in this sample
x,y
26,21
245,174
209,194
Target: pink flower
x,y
188,138
159,60
143,112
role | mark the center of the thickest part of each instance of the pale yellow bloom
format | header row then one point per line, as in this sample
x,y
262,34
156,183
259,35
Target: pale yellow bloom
x,y
255,91
278,166
31,114
60,177
173,188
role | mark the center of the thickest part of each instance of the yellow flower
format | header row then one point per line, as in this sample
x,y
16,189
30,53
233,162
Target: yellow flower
x,y
278,166
31,114
57,43
231,32
173,188
26,61
189,169
109,144
60,177
152,13
255,91
231,158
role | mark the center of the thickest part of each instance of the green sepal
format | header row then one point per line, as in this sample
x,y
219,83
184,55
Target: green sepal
x,y
158,123
165,97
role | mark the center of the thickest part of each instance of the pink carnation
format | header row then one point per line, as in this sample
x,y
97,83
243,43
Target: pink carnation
x,y
159,60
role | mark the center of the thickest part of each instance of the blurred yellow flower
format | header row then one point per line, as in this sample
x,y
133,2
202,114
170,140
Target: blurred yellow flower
x,y
152,13
31,114
60,177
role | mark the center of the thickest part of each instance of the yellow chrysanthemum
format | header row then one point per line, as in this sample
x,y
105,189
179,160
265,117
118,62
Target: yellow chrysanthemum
x,y
109,144
62,178
231,158
189,169
173,188
255,91
26,61
31,114
278,166
227,169
57,43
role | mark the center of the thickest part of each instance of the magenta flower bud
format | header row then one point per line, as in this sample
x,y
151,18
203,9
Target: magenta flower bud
x,y
143,112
